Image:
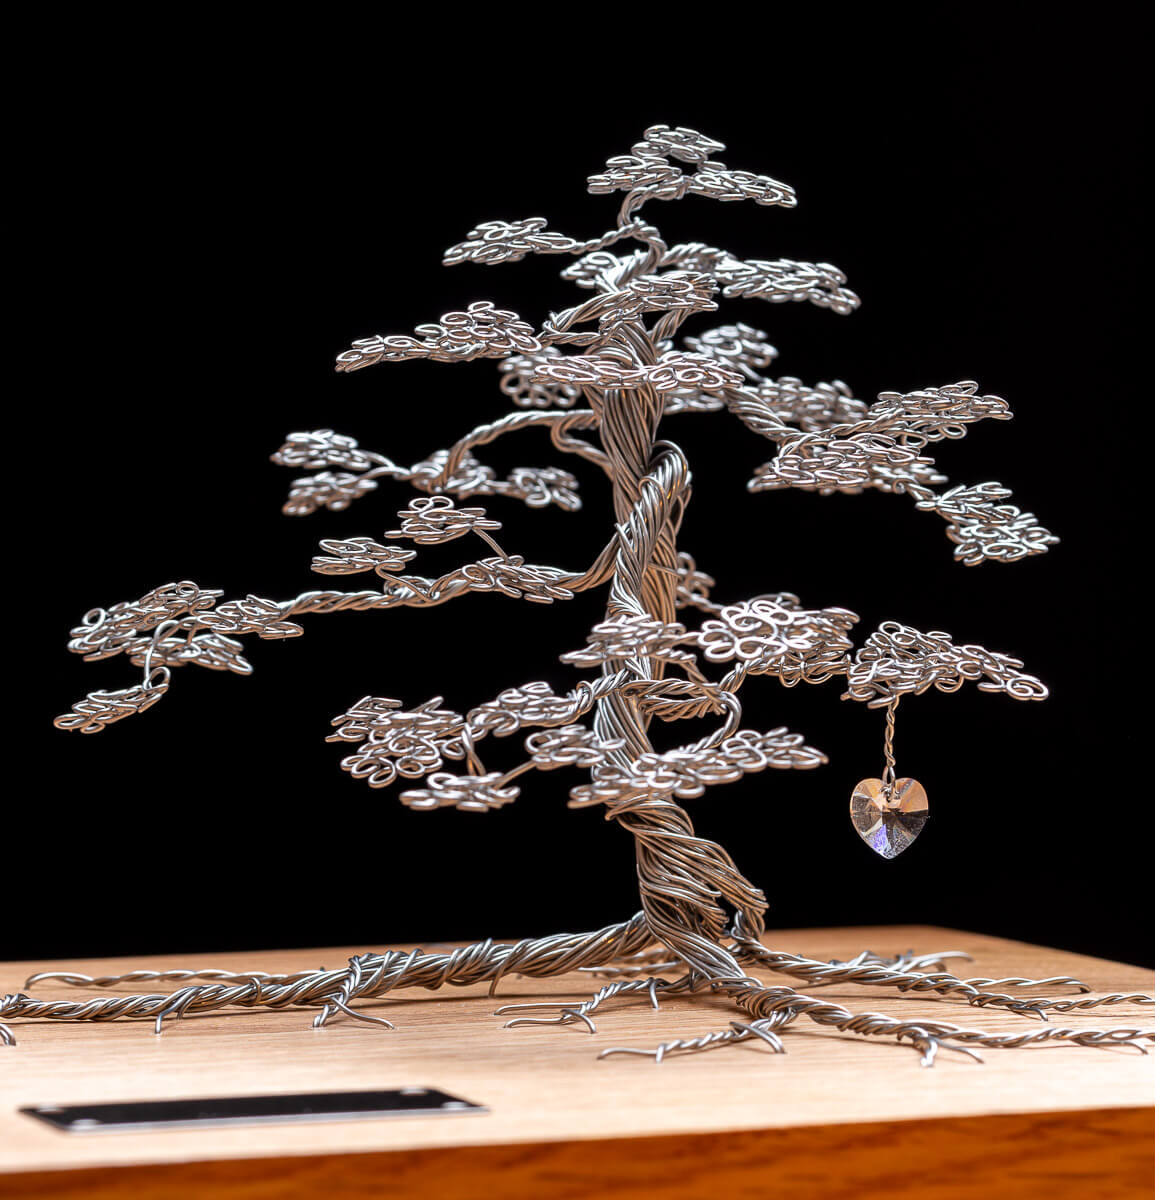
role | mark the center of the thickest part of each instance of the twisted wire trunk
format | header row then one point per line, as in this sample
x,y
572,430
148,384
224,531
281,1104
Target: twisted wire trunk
x,y
681,876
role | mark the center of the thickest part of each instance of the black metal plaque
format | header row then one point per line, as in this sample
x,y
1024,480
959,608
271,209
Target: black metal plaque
x,y
137,1115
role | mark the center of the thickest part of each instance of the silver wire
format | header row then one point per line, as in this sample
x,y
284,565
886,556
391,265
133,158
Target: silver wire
x,y
625,374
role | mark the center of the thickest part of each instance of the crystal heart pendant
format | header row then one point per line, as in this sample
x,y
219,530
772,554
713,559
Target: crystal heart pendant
x,y
888,819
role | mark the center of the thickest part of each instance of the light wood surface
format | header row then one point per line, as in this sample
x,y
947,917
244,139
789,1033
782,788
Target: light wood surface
x,y
838,1114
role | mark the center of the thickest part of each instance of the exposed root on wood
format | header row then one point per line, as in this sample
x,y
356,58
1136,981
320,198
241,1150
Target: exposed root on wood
x,y
613,951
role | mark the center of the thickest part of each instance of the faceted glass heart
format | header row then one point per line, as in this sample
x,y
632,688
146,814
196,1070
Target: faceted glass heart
x,y
888,823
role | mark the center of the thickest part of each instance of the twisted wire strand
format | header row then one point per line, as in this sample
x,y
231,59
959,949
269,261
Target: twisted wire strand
x,y
888,771
739,1031
580,1012
419,592
561,424
1041,1007
761,1001
858,971
77,979
817,973
367,976
870,971
654,960
940,982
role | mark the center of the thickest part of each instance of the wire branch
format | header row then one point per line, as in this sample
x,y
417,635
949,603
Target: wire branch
x,y
560,424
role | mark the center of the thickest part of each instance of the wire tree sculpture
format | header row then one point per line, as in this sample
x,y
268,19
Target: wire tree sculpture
x,y
611,368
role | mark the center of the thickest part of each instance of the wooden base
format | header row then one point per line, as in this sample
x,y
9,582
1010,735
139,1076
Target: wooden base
x,y
837,1115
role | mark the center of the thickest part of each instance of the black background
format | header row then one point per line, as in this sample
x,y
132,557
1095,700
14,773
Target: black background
x,y
230,209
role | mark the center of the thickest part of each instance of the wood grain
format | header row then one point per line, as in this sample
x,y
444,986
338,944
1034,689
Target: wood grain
x,y
1103,1155
837,1115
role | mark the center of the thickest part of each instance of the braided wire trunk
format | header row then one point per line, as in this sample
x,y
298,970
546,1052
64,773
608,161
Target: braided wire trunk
x,y
681,876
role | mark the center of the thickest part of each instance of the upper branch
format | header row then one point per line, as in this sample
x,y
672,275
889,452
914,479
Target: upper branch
x,y
881,450
454,471
648,173
481,331
560,425
494,242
